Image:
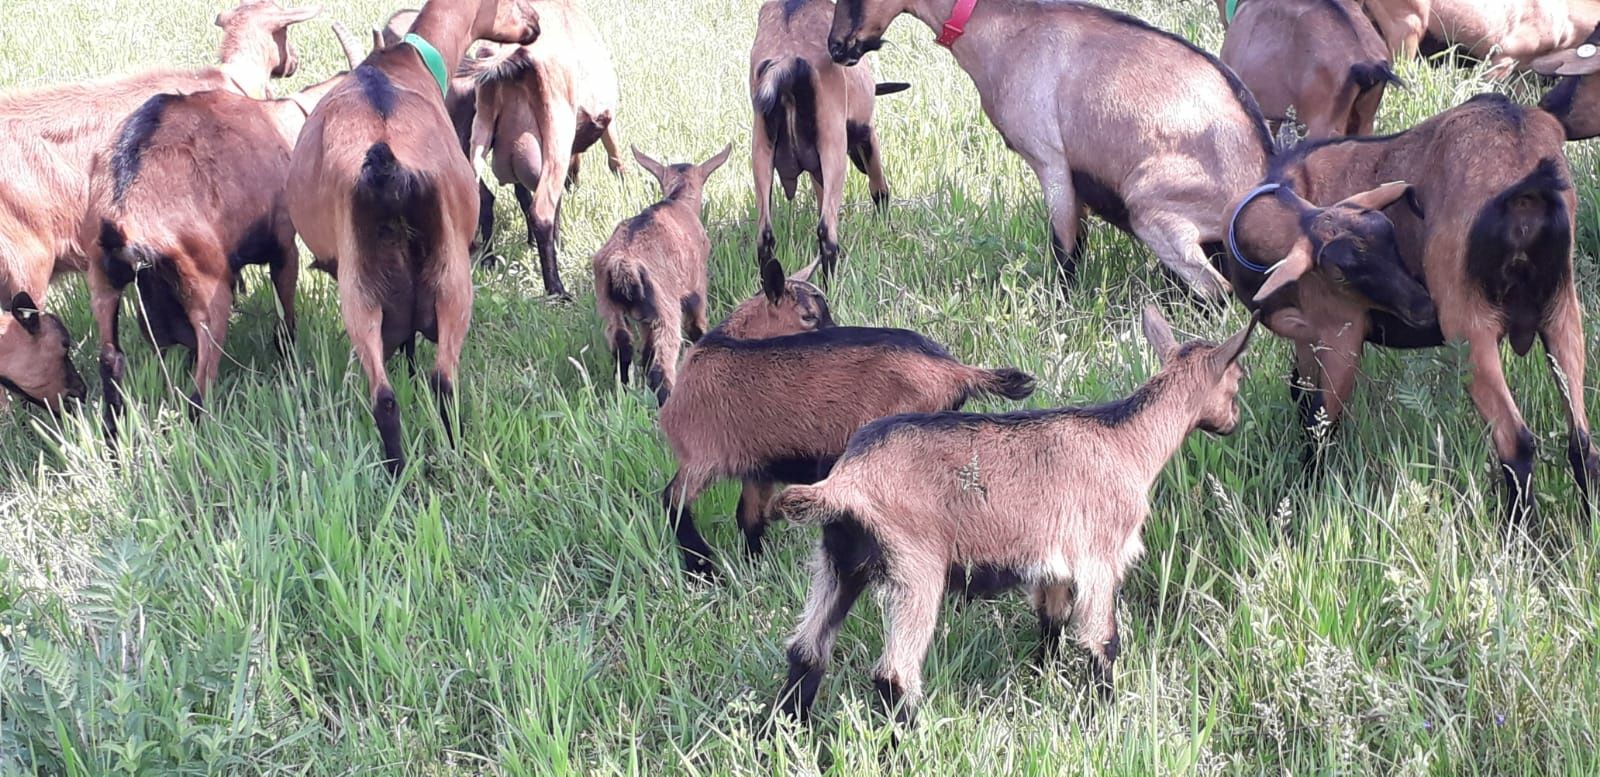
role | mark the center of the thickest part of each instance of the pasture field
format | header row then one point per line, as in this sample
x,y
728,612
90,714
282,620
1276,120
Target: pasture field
x,y
252,594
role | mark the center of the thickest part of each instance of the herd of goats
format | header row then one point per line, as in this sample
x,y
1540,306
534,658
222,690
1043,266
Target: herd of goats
x,y
1459,229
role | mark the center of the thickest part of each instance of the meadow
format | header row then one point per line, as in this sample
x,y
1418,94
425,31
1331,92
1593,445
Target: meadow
x,y
253,594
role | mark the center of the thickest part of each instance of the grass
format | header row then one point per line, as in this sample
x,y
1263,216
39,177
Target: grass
x,y
253,594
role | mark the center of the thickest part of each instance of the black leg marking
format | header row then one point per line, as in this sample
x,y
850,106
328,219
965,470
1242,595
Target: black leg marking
x,y
485,226
545,236
800,689
1066,261
1102,671
112,366
1049,637
386,413
696,553
1518,475
657,380
829,250
623,345
766,247
894,700
1585,467
444,392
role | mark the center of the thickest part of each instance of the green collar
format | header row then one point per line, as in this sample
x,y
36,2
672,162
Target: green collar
x,y
435,61
1231,9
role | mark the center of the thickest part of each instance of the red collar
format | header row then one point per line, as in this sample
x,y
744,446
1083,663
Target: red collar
x,y
957,23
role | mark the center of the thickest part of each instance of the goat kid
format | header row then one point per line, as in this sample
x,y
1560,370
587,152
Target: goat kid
x,y
653,272
1159,135
1323,58
36,356
810,116
539,107
383,198
1059,497
1489,233
773,394
191,192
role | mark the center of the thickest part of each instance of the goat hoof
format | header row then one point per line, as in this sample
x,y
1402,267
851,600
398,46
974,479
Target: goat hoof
x,y
490,261
701,569
561,296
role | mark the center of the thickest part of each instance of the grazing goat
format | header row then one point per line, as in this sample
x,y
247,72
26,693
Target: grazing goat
x,y
763,400
380,194
1490,235
1401,23
538,108
1158,136
1575,101
36,356
653,271
810,115
1511,34
1322,58
53,133
1059,497
189,193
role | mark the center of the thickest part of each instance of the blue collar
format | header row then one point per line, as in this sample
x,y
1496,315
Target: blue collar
x,y
1233,223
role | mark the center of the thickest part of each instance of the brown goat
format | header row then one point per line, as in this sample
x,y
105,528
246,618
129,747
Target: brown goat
x,y
810,116
761,399
539,107
53,133
36,356
1158,136
1575,101
382,197
1059,497
1492,244
1401,23
653,271
1322,58
189,193
1511,34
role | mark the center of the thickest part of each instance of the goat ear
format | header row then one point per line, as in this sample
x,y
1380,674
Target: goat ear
x,y
25,311
1580,61
803,274
1230,351
1159,333
710,165
377,39
223,19
651,165
1377,198
772,282
297,15
1287,271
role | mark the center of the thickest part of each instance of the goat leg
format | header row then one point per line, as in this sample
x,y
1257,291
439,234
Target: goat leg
x,y
677,499
485,245
1562,336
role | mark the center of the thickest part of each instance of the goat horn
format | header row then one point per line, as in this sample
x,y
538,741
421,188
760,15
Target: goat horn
x,y
347,41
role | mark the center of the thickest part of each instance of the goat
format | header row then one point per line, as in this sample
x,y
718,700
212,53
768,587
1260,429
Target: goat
x,y
190,192
653,271
1489,234
1323,58
1511,34
1059,497
810,115
539,107
1159,135
383,199
1575,101
1401,23
53,133
773,394
36,356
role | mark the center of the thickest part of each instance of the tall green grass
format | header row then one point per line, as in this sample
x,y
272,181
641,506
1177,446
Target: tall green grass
x,y
253,594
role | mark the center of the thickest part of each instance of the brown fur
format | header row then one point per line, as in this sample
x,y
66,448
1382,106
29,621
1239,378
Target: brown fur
x,y
1401,23
1511,34
539,107
653,272
460,101
384,200
790,44
780,409
52,134
1059,497
1486,173
208,199
36,356
1153,141
1322,58
1575,101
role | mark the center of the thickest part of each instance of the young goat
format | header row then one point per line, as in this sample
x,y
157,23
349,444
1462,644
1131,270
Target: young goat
x,y
1489,233
653,271
1058,496
1323,58
762,399
1575,101
53,133
539,108
1158,136
383,198
36,356
191,192
810,115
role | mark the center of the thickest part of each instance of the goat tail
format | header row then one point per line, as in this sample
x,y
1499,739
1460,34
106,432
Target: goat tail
x,y
397,218
1007,382
809,505
628,286
786,102
1367,75
1524,236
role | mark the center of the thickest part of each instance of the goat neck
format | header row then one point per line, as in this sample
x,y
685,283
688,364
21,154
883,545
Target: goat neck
x,y
1159,417
447,25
